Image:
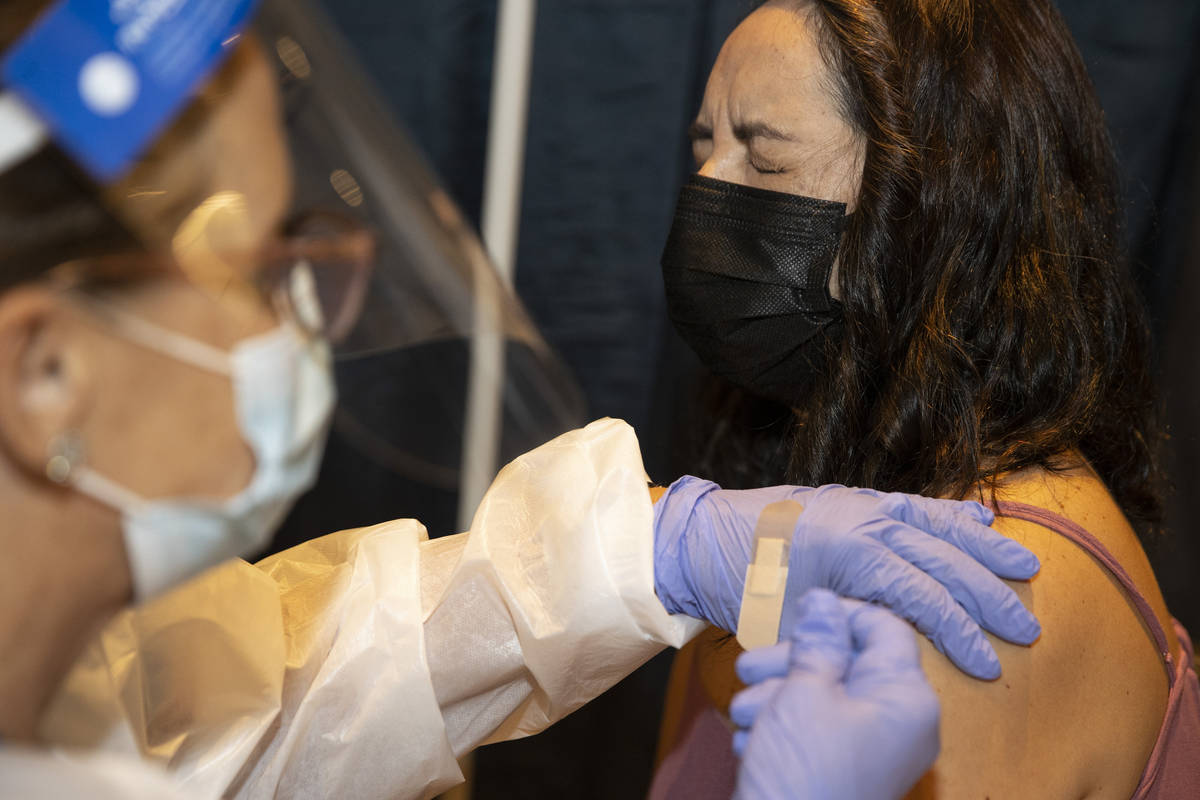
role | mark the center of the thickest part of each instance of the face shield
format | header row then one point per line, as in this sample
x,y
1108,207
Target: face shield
x,y
278,178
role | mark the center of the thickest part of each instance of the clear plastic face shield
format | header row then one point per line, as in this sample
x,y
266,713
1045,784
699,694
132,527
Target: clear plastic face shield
x,y
280,195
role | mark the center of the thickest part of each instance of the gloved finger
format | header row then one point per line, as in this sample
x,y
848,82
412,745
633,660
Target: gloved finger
x,y
749,702
885,646
764,662
921,600
821,643
888,671
970,508
945,520
740,738
976,511
985,597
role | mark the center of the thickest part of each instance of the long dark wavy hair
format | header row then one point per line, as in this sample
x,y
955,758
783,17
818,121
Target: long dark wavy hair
x,y
992,323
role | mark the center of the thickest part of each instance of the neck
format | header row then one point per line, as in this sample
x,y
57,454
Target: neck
x,y
63,575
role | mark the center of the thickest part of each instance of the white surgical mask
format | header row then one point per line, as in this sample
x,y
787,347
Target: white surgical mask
x,y
284,395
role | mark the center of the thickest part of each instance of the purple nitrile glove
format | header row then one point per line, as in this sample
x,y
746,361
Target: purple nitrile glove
x,y
848,714
934,562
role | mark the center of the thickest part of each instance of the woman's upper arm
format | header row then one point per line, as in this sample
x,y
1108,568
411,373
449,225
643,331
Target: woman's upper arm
x,y
1074,715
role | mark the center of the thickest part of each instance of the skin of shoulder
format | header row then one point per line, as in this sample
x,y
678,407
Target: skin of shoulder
x,y
1077,714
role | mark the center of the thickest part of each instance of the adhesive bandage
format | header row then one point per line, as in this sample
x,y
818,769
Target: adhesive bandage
x,y
766,576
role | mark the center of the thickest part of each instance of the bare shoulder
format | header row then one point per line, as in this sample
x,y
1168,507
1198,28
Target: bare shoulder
x,y
1076,714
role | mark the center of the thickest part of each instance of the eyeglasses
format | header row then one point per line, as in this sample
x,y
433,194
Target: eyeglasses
x,y
315,273
319,271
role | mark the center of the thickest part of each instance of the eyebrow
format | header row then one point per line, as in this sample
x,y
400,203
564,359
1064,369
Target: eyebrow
x,y
699,130
745,131
742,131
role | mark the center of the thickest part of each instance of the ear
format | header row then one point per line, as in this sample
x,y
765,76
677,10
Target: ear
x,y
44,380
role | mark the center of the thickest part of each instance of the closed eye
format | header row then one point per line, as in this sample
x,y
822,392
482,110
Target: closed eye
x,y
766,169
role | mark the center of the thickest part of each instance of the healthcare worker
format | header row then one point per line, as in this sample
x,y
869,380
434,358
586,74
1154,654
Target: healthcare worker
x,y
200,219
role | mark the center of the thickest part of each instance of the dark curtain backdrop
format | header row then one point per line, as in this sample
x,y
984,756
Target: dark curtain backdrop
x,y
615,83
1143,58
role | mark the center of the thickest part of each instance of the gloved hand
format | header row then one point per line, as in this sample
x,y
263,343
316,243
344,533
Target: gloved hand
x,y
931,561
851,718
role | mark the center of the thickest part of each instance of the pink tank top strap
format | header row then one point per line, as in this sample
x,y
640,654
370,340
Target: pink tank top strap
x,y
1071,530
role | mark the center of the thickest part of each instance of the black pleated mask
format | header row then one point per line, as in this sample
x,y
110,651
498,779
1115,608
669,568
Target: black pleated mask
x,y
747,280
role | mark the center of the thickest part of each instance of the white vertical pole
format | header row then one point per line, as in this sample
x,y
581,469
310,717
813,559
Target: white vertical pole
x,y
506,132
500,223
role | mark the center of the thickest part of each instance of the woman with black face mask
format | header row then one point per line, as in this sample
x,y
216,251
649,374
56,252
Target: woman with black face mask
x,y
186,260
904,229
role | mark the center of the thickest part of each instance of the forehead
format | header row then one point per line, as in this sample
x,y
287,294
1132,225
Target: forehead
x,y
230,141
771,66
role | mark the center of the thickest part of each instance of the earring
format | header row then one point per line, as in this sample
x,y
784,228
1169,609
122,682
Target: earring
x,y
66,453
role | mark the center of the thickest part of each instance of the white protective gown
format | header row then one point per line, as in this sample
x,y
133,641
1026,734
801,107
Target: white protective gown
x,y
362,663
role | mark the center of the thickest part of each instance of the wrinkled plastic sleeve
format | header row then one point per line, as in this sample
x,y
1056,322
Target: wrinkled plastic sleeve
x,y
360,664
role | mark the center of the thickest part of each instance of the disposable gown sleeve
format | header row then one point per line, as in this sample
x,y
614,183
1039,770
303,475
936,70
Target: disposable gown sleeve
x,y
360,664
